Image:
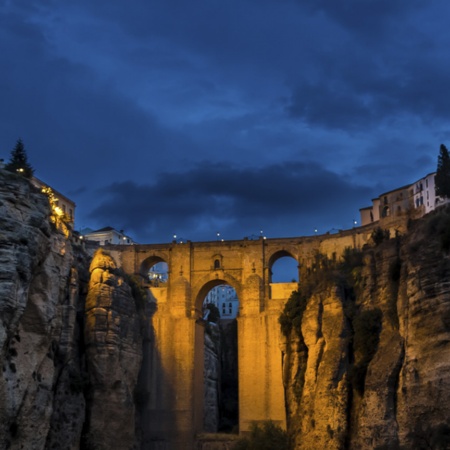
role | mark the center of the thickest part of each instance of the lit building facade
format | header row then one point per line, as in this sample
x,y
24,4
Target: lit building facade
x,y
414,200
225,299
108,235
64,206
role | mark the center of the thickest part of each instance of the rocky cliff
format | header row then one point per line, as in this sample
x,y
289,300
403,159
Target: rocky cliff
x,y
70,333
367,355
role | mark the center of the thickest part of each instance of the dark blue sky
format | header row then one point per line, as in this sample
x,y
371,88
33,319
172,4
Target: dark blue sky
x,y
168,116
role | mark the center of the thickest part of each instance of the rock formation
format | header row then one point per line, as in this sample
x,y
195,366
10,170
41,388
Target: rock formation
x,y
113,356
367,359
70,342
41,288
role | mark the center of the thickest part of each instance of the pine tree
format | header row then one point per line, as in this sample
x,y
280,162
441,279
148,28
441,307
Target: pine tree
x,y
18,162
442,179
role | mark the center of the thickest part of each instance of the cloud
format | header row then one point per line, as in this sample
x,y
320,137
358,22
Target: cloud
x,y
195,202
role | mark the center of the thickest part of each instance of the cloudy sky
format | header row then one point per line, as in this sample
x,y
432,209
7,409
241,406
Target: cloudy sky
x,y
193,117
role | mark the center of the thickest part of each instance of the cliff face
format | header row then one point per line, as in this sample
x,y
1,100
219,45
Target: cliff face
x,y
40,279
113,356
367,363
70,340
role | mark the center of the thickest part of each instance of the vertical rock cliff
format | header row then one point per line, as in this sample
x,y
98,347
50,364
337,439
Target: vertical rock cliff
x,y
41,289
367,355
113,342
70,333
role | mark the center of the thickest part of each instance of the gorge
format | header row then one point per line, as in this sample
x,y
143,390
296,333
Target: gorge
x,y
362,348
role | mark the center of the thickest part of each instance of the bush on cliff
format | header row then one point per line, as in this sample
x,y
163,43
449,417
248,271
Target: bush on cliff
x,y
291,317
265,436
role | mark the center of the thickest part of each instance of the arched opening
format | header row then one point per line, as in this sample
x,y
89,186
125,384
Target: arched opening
x,y
154,271
220,306
284,275
283,268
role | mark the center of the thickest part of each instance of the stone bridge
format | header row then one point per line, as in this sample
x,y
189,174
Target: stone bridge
x,y
174,374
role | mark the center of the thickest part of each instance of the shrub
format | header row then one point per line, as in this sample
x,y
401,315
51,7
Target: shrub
x,y
292,314
264,436
379,235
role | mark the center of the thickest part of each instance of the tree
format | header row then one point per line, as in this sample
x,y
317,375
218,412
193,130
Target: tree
x,y
442,179
264,436
214,313
18,162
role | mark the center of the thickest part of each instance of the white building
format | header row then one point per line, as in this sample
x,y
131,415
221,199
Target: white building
x,y
225,299
108,235
416,200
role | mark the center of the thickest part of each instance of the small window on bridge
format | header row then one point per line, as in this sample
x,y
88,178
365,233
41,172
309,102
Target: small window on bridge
x,y
216,264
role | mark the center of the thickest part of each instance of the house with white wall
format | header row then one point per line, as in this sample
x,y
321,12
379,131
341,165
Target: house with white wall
x,y
108,235
225,299
414,200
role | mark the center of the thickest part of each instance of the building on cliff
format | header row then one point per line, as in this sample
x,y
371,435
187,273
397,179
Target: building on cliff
x,y
60,202
413,200
108,235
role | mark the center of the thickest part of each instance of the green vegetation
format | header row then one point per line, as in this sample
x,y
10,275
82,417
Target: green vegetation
x,y
18,162
439,225
291,317
214,313
265,436
442,180
379,235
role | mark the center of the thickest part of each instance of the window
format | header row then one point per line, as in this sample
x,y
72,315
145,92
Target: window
x,y
216,264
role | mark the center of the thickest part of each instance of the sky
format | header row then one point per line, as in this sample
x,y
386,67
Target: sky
x,y
193,118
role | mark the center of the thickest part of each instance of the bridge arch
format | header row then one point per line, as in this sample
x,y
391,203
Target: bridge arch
x,y
150,261
210,281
